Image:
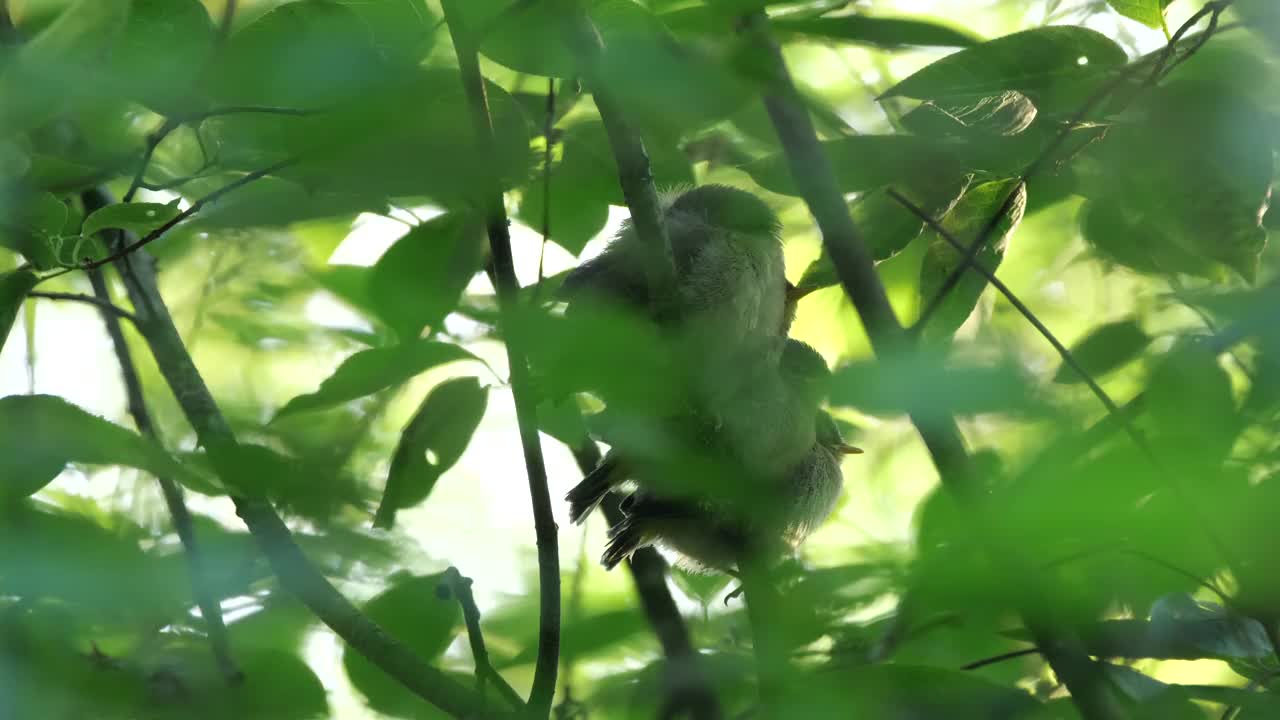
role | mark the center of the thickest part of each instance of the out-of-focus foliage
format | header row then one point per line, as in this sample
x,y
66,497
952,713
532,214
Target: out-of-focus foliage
x,y
341,312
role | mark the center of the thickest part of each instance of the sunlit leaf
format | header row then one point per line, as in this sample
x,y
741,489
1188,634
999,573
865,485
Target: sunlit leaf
x,y
431,443
417,613
369,371
1026,61
1147,12
878,31
1008,113
139,218
978,206
40,434
1104,349
419,279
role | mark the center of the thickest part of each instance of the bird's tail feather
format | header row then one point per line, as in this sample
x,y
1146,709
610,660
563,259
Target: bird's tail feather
x,y
587,494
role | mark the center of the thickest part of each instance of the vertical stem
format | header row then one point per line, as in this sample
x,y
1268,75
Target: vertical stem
x,y
205,596
812,173
545,670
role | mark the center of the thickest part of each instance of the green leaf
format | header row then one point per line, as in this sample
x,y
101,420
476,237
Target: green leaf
x,y
417,613
1104,349
905,691
1192,409
923,381
163,46
40,434
139,218
403,30
14,287
1027,61
278,685
432,443
1008,113
1180,627
418,280
38,222
877,31
1147,12
369,371
888,226
862,163
59,66
965,222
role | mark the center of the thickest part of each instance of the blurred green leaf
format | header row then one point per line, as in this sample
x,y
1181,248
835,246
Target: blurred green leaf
x,y
369,371
1027,61
922,382
1104,349
887,32
14,287
415,612
431,443
965,222
40,434
1191,409
1007,113
139,218
418,280
402,30
904,691
1180,627
36,226
278,685
162,49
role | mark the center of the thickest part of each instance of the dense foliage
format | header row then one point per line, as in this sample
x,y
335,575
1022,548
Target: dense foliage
x,y
1066,204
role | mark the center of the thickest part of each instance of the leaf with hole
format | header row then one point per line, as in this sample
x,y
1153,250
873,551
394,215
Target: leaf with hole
x,y
138,218
369,371
1104,349
415,612
431,443
1029,62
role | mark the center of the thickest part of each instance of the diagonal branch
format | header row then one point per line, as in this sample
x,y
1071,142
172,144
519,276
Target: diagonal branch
x,y
185,214
97,301
296,573
1042,160
812,173
544,525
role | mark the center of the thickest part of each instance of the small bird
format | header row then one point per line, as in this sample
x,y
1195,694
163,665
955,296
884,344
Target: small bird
x,y
729,281
708,535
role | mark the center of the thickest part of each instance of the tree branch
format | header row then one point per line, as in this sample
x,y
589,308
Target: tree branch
x,y
813,175
103,305
460,587
547,666
634,173
688,688
185,214
295,572
201,588
1042,160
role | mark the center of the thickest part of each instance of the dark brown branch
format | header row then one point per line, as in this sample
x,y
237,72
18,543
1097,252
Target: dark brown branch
x,y
813,175
545,670
98,302
460,587
195,208
295,572
688,688
634,173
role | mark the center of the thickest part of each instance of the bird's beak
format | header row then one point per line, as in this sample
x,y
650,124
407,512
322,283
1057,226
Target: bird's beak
x,y
847,449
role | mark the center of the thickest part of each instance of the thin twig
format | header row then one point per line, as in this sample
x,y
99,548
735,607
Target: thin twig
x,y
999,658
812,172
195,208
294,570
1039,164
548,132
460,587
154,138
98,302
545,669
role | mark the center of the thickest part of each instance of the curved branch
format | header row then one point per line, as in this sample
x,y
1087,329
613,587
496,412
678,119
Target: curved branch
x,y
508,287
102,304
